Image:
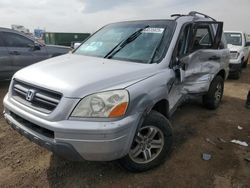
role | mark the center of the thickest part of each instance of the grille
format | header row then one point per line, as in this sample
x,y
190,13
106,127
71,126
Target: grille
x,y
234,55
42,100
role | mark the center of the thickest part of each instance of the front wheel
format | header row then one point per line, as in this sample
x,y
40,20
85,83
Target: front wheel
x,y
151,144
214,95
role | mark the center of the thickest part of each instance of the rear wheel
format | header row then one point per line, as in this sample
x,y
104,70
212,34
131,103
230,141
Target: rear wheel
x,y
151,144
214,95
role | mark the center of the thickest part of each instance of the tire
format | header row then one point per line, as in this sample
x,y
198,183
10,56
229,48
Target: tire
x,y
214,95
236,75
244,63
157,129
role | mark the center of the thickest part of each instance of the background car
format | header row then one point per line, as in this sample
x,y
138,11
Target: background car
x,y
18,50
239,50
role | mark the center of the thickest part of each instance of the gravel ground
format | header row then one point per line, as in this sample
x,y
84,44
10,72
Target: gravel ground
x,y
24,164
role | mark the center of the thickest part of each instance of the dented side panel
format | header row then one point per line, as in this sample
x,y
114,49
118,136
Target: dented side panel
x,y
201,67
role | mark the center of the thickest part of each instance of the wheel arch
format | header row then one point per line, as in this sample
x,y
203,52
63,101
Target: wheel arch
x,y
162,106
222,73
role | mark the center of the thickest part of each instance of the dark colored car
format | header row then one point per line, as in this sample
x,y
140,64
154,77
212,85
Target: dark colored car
x,y
18,50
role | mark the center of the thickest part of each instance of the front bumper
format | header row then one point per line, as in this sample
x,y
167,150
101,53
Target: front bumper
x,y
96,141
62,149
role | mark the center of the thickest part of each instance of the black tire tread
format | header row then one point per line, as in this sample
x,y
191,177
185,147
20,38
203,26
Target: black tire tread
x,y
161,122
208,99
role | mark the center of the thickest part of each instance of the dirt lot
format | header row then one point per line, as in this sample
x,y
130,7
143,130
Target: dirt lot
x,y
24,164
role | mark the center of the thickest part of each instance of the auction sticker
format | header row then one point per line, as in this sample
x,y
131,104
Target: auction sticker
x,y
153,30
235,35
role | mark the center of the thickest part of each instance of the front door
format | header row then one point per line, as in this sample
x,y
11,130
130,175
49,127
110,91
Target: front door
x,y
23,50
199,56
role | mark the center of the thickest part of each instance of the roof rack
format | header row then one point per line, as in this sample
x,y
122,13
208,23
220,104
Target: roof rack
x,y
178,15
194,13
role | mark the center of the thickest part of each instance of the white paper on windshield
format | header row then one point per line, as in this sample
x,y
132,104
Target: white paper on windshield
x,y
93,46
235,35
153,30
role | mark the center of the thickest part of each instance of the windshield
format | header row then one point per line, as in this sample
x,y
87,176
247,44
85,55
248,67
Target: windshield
x,y
140,41
234,38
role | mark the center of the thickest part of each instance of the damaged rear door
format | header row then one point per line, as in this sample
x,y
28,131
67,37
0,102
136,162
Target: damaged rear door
x,y
200,55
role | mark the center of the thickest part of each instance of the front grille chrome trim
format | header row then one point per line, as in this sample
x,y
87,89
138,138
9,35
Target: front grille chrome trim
x,y
44,100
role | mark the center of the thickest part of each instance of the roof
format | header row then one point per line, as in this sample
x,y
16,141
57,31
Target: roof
x,y
234,32
11,30
14,31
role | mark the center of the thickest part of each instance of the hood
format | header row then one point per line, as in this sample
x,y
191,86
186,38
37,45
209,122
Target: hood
x,y
234,48
77,75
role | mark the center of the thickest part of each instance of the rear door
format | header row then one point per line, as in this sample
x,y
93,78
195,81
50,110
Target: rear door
x,y
6,70
22,50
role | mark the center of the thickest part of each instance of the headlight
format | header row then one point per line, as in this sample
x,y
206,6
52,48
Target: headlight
x,y
234,55
108,104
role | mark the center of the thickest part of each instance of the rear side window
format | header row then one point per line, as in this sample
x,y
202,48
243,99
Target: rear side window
x,y
206,38
15,40
202,38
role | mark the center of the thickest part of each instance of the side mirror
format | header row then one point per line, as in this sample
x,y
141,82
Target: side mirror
x,y
76,45
180,69
247,44
35,46
181,64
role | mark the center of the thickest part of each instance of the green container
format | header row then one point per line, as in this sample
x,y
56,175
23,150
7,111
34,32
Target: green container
x,y
64,39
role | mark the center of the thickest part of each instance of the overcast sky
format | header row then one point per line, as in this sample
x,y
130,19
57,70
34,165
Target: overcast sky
x,y
89,15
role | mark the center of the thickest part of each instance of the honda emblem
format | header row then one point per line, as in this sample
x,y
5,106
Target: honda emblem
x,y
30,95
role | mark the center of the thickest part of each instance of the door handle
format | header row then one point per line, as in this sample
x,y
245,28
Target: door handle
x,y
214,58
14,53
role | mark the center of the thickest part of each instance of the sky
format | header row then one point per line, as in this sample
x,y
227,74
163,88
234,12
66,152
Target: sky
x,y
89,15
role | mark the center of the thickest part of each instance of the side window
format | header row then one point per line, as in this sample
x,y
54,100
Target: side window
x,y
15,40
202,38
184,41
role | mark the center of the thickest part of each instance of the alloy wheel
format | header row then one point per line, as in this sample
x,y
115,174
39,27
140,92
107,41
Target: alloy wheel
x,y
218,92
147,145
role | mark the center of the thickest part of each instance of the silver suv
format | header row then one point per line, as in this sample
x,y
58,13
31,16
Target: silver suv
x,y
112,97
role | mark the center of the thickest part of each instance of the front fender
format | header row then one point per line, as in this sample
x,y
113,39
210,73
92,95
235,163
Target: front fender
x,y
146,93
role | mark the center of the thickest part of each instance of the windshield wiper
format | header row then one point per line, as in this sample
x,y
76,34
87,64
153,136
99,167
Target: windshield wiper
x,y
123,43
156,48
